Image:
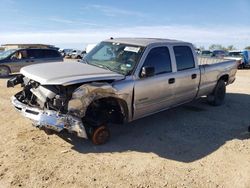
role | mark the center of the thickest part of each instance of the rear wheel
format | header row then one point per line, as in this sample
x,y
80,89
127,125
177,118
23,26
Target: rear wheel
x,y
100,135
218,95
4,71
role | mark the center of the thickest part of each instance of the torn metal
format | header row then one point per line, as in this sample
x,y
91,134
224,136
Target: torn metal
x,y
59,108
84,95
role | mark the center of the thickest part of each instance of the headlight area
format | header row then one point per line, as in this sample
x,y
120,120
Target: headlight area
x,y
50,97
47,106
46,97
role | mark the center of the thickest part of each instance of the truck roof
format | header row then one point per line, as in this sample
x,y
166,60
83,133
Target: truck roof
x,y
143,41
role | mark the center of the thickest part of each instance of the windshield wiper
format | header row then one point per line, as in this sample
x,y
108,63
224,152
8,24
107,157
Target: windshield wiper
x,y
101,66
106,67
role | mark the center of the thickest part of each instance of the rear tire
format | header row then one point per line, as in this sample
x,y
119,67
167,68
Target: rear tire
x,y
218,95
4,71
100,135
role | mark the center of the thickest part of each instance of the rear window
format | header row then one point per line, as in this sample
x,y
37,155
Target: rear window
x,y
184,58
50,53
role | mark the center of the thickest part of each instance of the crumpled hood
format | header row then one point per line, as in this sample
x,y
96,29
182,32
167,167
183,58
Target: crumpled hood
x,y
67,73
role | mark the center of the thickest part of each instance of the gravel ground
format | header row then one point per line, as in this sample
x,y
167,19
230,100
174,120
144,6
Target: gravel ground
x,y
195,145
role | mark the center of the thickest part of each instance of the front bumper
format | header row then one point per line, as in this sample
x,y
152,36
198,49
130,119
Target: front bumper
x,y
51,119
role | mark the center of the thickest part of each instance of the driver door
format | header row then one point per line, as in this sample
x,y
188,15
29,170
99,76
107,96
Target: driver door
x,y
154,93
19,60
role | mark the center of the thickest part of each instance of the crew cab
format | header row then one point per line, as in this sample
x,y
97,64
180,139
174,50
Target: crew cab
x,y
118,81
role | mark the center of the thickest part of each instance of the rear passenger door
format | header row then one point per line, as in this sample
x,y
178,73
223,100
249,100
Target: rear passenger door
x,y
187,75
154,93
34,56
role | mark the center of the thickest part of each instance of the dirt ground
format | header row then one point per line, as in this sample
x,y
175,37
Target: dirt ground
x,y
195,145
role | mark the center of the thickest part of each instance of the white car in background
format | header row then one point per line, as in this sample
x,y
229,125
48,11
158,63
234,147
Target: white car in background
x,y
235,55
77,54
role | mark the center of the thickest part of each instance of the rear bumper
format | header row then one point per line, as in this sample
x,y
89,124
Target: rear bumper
x,y
50,119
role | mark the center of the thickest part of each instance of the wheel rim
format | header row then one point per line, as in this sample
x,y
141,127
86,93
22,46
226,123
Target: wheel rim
x,y
101,135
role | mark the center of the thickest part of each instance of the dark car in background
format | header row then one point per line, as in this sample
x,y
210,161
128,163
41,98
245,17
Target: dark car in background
x,y
13,60
219,53
206,53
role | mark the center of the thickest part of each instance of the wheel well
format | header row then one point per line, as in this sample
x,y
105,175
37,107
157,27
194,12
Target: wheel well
x,y
6,67
224,78
107,110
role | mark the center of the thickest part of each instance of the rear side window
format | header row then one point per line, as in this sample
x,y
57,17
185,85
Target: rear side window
x,y
50,54
35,53
159,58
184,58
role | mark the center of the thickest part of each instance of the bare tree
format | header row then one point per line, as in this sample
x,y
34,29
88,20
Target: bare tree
x,y
220,47
231,47
247,48
216,47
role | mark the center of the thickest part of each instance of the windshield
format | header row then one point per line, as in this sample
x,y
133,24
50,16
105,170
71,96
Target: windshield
x,y
120,58
6,53
219,52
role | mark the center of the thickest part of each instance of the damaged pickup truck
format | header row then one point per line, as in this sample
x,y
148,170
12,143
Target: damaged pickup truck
x,y
119,81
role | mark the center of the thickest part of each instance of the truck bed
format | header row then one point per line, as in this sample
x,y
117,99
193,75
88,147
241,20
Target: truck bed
x,y
210,60
212,69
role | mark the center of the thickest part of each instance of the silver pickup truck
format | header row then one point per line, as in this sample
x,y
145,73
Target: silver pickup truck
x,y
119,81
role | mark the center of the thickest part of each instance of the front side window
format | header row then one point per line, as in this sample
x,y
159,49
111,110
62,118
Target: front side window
x,y
6,53
159,58
117,57
184,58
19,55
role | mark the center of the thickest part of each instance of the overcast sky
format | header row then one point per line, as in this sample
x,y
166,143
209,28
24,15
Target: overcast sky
x,y
74,24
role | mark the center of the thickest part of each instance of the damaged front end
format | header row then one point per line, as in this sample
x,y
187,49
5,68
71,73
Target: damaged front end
x,y
45,106
50,119
77,108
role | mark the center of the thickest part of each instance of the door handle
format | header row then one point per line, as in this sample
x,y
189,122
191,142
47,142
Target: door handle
x,y
171,80
194,76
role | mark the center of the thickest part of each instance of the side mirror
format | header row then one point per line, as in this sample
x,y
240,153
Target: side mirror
x,y
147,72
